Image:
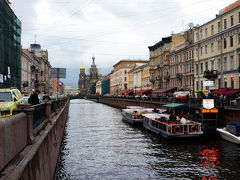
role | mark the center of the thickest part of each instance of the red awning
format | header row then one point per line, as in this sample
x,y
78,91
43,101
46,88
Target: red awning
x,y
219,91
144,91
127,91
230,92
165,90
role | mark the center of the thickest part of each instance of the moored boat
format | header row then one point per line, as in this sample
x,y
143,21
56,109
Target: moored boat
x,y
159,124
134,116
231,132
228,136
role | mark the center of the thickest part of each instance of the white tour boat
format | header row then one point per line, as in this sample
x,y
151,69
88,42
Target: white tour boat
x,y
158,123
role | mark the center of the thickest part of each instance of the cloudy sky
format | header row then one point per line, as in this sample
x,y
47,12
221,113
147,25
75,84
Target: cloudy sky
x,y
73,30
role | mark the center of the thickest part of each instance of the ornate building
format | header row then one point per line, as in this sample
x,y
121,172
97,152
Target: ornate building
x,y
87,83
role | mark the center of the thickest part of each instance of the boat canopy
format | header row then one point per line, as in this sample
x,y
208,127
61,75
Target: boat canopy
x,y
177,106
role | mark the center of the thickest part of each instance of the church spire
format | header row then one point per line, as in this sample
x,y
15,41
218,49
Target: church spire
x,y
93,60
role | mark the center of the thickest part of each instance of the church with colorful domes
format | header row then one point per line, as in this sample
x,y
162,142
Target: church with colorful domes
x,y
87,82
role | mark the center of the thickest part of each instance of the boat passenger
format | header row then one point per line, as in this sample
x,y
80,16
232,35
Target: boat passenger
x,y
155,110
184,121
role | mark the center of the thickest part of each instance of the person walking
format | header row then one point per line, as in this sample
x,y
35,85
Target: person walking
x,y
33,99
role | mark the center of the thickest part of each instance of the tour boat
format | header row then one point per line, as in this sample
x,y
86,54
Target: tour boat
x,y
134,116
228,136
157,123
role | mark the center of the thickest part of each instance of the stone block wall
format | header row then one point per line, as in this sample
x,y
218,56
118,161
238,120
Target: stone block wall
x,y
13,137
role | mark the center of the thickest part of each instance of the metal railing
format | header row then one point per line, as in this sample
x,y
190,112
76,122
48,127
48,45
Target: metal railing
x,y
39,114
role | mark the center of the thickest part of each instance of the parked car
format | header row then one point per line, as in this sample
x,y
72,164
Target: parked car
x,y
9,99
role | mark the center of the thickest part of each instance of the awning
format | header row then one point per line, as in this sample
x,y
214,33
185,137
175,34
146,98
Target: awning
x,y
165,90
219,91
230,92
144,91
177,106
127,91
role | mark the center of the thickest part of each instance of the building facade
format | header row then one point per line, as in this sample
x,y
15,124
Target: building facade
x,y
87,83
160,61
217,51
119,78
182,64
10,47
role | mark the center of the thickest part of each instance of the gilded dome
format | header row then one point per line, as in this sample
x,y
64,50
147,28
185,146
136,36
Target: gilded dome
x,y
82,67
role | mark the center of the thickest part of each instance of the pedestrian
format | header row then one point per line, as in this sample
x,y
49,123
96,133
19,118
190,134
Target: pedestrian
x,y
33,99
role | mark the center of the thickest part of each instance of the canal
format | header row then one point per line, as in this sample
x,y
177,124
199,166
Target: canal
x,y
98,145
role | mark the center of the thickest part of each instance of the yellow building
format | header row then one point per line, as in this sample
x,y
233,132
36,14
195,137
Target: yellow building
x,y
159,60
217,50
139,77
119,78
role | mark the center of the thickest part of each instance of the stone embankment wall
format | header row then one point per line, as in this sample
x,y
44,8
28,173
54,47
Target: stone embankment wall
x,y
123,103
228,115
26,156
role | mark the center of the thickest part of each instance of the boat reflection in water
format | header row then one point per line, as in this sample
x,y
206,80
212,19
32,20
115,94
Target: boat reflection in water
x,y
209,158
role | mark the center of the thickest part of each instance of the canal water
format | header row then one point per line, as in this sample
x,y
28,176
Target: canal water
x,y
98,145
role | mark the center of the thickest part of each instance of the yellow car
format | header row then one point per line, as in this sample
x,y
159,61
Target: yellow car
x,y
9,99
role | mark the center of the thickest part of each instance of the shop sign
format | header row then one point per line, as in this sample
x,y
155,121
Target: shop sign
x,y
208,103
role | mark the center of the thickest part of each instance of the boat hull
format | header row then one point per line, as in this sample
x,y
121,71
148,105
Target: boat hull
x,y
168,135
131,120
228,136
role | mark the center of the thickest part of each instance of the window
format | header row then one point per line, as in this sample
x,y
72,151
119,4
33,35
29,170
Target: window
x,y
231,62
231,41
197,35
219,45
201,68
206,34
201,35
212,29
167,46
212,47
219,83
219,65
197,85
197,69
125,65
225,82
239,38
201,50
225,24
239,17
206,66
125,78
125,71
212,64
201,85
225,64
205,49
152,52
219,26
224,43
232,20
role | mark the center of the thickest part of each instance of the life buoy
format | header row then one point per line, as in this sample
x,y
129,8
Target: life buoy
x,y
177,129
194,129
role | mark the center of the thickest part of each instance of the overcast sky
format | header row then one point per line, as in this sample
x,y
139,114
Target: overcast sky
x,y
73,30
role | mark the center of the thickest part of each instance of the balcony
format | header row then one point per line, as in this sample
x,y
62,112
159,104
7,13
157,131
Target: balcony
x,y
179,75
167,77
210,74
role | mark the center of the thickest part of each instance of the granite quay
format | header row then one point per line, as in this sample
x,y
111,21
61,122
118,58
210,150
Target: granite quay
x,y
30,140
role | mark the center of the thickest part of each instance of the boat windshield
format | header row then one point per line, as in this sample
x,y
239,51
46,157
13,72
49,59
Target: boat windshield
x,y
5,97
